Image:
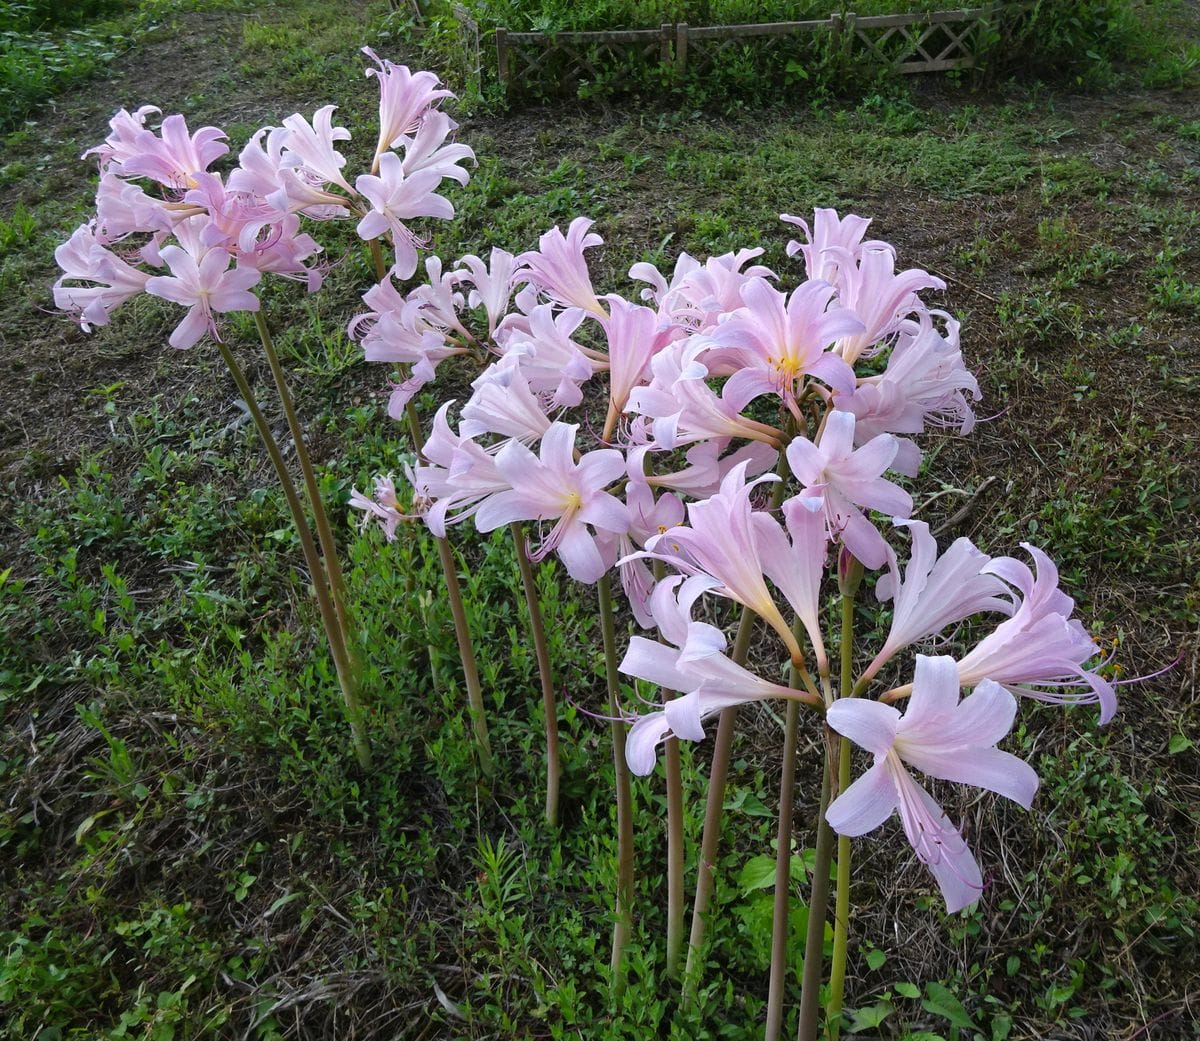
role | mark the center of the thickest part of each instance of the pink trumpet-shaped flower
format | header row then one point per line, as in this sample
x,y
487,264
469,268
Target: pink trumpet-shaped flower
x,y
552,362
873,291
558,269
203,287
634,337
458,475
682,406
844,479
831,237
941,736
553,486
84,258
1041,644
404,99
396,198
123,142
925,382
724,539
312,148
695,665
775,342
174,158
935,592
427,149
383,507
648,516
492,283
503,404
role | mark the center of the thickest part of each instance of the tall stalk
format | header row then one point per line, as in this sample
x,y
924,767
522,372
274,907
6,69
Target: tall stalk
x,y
673,763
623,927
325,604
818,901
715,804
462,631
333,566
537,630
841,917
713,808
781,921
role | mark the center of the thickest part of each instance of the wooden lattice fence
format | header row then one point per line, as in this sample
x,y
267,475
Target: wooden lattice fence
x,y
917,42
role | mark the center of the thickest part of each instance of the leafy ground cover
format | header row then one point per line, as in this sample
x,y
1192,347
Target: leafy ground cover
x,y
186,852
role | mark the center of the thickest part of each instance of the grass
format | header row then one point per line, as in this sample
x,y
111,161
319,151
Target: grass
x,y
185,850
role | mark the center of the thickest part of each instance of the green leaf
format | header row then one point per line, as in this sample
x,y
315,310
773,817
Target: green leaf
x,y
1178,743
939,1001
757,873
869,1018
875,958
908,990
750,804
1012,965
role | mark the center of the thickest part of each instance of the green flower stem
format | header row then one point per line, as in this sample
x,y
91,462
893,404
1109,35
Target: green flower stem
x,y
713,809
841,917
333,566
325,605
710,838
462,631
781,924
818,901
676,895
673,764
537,630
623,926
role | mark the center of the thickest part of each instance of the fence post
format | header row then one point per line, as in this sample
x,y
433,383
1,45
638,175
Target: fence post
x,y
681,47
502,57
664,45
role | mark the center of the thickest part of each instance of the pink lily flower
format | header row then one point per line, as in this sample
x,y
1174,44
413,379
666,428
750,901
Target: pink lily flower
x,y
727,540
458,474
682,406
553,363
502,403
394,199
383,507
84,258
553,486
941,736
312,149
844,479
399,330
692,662
772,347
123,142
873,291
831,237
204,287
935,592
925,383
1040,645
557,268
427,150
404,99
492,283
700,294
174,158
648,516
634,337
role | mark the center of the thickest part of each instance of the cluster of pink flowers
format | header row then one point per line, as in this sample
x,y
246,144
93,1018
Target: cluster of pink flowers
x,y
720,383
167,224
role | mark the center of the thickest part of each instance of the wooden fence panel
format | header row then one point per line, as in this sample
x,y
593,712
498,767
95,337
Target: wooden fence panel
x,y
934,41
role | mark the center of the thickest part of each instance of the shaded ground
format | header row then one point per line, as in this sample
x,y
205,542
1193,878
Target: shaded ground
x,y
207,827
